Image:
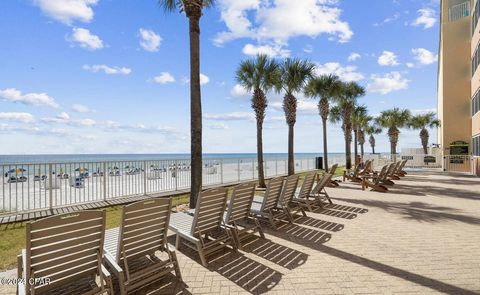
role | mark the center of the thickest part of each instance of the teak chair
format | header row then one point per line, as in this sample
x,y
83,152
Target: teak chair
x,y
376,180
400,171
319,193
204,232
302,199
287,202
353,176
333,182
133,250
238,213
67,252
269,206
390,171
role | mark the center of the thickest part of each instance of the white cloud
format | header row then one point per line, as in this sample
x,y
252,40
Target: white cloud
x,y
239,91
79,108
426,18
107,70
164,78
388,58
346,73
36,99
17,117
387,83
304,106
149,40
63,116
308,48
410,65
272,51
67,11
234,116
85,39
354,56
388,20
279,20
218,126
204,79
424,56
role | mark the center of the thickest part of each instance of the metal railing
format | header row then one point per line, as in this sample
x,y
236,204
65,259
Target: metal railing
x,y
459,11
32,187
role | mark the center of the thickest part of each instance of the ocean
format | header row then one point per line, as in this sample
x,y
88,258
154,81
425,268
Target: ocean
x,y
65,158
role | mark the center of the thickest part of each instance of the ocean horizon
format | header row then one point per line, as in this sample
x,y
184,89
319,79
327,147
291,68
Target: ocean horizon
x,y
60,158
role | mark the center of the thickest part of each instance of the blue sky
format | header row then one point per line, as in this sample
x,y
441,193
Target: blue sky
x,y
105,76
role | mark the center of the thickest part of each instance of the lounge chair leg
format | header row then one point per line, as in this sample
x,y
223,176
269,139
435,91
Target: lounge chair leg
x,y
177,242
272,222
176,266
201,254
260,229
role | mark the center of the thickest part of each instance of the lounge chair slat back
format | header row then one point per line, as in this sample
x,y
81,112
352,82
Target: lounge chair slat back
x,y
381,176
307,185
65,248
144,228
272,194
333,169
240,203
326,178
289,189
209,211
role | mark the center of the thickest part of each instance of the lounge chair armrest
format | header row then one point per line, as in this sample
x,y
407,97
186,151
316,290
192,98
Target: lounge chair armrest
x,y
105,272
170,248
117,270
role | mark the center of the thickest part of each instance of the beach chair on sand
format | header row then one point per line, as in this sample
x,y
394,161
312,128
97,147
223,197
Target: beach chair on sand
x,y
319,193
333,182
64,255
353,176
204,232
303,197
137,252
375,181
268,206
238,214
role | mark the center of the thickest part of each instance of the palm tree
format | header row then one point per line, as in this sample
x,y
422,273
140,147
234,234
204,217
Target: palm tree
x,y
295,74
393,120
326,87
360,114
422,122
372,130
259,76
193,10
342,112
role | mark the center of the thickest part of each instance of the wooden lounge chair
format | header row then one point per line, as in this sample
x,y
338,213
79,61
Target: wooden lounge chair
x,y
400,171
204,231
375,181
238,214
333,182
367,168
287,202
67,252
353,176
395,170
269,206
319,192
387,180
137,252
303,198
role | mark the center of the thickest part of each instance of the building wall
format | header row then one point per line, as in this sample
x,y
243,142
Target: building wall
x,y
475,85
454,93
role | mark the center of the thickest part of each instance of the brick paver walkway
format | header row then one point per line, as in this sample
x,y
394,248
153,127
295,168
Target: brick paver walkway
x,y
422,237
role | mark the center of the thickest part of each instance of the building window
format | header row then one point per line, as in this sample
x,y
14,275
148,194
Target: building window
x,y
476,145
476,103
475,16
475,59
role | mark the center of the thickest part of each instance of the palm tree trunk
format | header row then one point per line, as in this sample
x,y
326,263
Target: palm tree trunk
x,y
325,145
393,148
361,150
355,143
195,111
348,147
291,153
373,149
424,138
261,176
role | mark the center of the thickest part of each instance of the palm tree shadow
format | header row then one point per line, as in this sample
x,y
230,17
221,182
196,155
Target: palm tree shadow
x,y
273,252
335,213
418,211
346,208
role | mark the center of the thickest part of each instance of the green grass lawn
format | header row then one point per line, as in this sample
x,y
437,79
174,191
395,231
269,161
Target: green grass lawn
x,y
12,236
